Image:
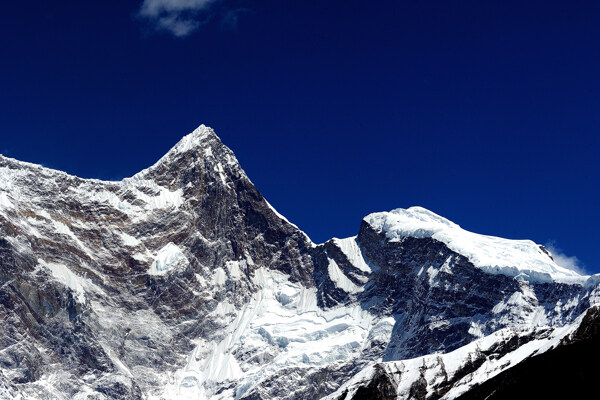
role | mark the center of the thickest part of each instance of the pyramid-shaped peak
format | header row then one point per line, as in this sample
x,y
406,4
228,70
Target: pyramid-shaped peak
x,y
202,135
201,143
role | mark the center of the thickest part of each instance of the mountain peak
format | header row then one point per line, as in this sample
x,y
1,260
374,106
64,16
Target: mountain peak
x,y
199,136
522,259
199,139
201,143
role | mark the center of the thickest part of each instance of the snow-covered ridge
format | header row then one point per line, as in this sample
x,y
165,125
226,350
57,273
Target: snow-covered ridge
x,y
522,259
149,195
11,166
200,137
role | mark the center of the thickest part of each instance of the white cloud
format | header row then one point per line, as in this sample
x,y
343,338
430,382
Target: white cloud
x,y
565,261
178,17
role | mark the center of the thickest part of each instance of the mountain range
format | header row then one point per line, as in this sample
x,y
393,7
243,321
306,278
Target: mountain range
x,y
183,282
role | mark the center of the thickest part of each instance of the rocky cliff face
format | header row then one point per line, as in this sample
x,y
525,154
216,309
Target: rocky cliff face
x,y
183,282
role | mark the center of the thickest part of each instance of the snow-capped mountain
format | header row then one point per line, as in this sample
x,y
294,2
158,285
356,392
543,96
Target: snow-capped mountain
x,y
182,282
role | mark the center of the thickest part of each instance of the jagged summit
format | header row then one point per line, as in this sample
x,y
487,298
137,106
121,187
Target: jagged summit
x,y
197,137
522,259
201,144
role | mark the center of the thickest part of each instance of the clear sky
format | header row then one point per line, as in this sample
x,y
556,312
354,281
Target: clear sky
x,y
486,112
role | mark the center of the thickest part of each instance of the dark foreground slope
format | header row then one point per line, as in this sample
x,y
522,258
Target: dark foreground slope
x,y
569,371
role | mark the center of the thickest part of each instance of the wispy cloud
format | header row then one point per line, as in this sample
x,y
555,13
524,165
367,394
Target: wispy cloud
x,y
178,17
565,261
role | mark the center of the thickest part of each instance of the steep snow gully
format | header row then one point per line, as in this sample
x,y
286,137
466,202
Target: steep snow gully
x,y
183,282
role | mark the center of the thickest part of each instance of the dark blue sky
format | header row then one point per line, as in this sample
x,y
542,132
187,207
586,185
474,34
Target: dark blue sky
x,y
487,113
